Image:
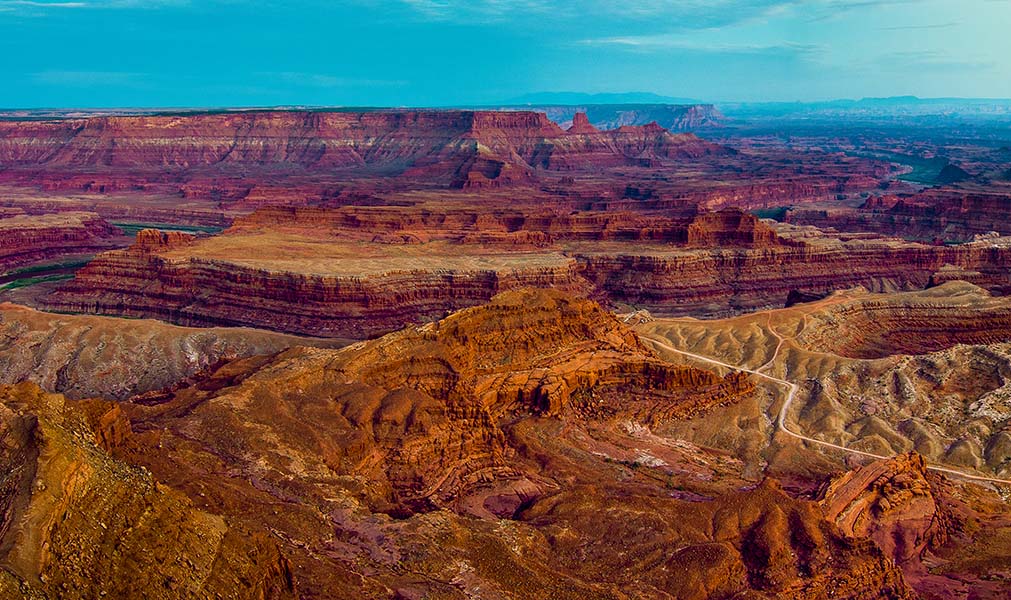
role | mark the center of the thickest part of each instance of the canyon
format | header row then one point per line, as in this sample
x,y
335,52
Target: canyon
x,y
600,351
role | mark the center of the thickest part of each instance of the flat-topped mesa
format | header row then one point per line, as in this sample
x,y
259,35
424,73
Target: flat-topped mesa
x,y
28,239
731,227
304,284
155,240
523,123
290,139
581,125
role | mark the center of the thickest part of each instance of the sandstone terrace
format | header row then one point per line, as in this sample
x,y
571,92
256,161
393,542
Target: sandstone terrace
x,y
357,272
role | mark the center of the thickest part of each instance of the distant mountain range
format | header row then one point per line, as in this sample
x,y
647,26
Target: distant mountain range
x,y
577,98
675,117
896,106
613,110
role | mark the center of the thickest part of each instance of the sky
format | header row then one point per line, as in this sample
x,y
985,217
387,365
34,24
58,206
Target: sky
x,y
204,53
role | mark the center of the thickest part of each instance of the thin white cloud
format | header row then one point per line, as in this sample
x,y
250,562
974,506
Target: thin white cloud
x,y
677,43
919,27
10,5
40,7
682,13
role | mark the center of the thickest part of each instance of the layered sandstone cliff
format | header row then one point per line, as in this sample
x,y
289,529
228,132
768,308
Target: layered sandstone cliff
x,y
462,148
324,289
536,226
27,239
365,272
945,214
725,281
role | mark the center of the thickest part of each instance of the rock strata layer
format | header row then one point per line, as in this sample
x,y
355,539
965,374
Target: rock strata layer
x,y
29,239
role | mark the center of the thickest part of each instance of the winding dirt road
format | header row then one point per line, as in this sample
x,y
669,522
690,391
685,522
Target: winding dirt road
x,y
791,396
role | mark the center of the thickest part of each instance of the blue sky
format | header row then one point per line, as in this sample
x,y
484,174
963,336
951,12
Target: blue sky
x,y
103,53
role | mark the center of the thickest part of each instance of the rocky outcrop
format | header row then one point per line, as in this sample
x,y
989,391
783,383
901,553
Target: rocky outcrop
x,y
675,117
731,228
890,502
759,543
504,450
76,522
581,125
952,173
27,239
446,416
414,416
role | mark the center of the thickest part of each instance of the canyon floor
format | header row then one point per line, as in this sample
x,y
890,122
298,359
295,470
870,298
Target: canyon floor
x,y
483,354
